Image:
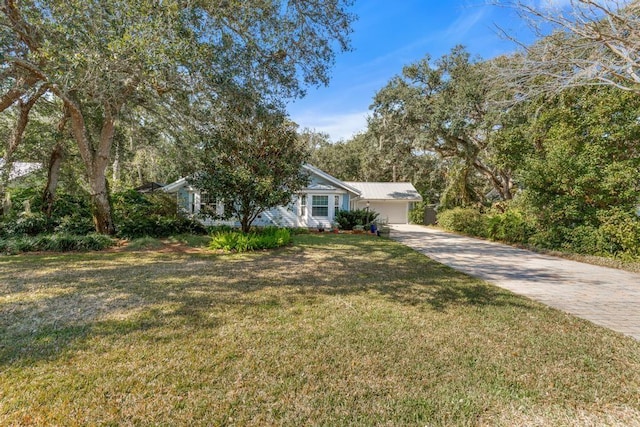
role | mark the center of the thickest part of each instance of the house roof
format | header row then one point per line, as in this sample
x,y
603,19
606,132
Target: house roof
x,y
387,191
19,169
175,186
333,180
149,187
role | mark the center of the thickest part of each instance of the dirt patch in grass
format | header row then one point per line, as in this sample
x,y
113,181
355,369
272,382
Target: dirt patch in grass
x,y
334,330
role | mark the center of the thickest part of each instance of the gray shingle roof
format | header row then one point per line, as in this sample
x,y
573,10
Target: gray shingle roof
x,y
387,191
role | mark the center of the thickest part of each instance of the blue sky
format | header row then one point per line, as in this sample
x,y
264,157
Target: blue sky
x,y
387,36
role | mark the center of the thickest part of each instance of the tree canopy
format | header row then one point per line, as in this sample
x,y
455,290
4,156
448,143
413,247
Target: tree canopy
x,y
252,160
101,57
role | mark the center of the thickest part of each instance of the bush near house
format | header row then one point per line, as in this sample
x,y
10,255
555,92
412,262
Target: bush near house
x,y
348,219
70,226
237,241
152,215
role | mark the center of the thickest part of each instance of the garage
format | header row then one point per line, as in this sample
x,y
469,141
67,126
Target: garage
x,y
391,200
391,212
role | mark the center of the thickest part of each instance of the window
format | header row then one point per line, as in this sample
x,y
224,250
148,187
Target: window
x,y
303,205
207,202
320,205
336,205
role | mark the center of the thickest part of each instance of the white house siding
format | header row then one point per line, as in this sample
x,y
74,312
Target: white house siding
x,y
293,215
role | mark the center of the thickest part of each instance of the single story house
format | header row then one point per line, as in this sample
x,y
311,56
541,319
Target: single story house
x,y
315,205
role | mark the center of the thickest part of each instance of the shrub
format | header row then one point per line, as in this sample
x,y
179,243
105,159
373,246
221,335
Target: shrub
x,y
153,215
212,229
511,226
27,224
348,219
267,238
76,223
416,214
619,233
584,239
58,242
464,220
146,242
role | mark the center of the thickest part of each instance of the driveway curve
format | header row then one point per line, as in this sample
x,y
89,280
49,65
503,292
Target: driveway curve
x,y
605,296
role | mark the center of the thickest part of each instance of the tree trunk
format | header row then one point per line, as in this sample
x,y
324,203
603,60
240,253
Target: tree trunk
x,y
95,161
49,194
100,206
244,224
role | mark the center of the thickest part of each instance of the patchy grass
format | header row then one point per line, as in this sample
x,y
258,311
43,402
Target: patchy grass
x,y
335,330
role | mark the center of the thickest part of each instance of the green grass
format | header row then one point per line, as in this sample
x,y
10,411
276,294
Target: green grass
x,y
334,330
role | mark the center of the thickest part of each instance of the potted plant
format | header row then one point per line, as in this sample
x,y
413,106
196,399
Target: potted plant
x,y
320,227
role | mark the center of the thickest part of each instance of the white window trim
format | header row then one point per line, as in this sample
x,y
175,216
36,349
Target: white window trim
x,y
303,205
320,206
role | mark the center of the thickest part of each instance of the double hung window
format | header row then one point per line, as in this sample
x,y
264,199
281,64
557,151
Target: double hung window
x,y
320,206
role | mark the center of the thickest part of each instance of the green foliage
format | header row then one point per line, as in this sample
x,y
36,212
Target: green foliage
x,y
619,233
254,159
446,107
586,158
416,215
464,220
510,226
57,242
347,220
75,223
27,224
158,226
154,215
236,241
213,229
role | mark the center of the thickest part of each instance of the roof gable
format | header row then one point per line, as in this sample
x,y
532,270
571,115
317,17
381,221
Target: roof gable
x,y
333,181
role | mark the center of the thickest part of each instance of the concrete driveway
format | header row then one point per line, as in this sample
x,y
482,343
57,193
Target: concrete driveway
x,y
605,296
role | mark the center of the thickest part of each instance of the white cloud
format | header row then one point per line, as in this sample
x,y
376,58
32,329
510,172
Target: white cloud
x,y
465,23
338,126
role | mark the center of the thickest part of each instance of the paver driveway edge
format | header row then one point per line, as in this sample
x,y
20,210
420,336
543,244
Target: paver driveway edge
x,y
604,296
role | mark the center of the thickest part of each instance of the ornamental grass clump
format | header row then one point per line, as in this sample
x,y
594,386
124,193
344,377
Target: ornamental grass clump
x,y
237,241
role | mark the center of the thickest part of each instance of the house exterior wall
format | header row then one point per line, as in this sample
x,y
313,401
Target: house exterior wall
x,y
294,214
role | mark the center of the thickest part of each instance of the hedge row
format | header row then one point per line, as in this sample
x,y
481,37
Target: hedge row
x,y
616,235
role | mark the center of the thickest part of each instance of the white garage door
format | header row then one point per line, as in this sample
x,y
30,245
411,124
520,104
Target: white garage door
x,y
392,212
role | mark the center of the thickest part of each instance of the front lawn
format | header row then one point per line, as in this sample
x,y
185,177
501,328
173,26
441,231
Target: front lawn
x,y
334,330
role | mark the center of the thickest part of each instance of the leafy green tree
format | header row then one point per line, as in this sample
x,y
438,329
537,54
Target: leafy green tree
x,y
445,107
342,159
98,57
252,160
585,158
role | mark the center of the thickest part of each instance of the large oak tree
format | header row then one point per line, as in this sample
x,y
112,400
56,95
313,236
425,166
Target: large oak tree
x,y
99,57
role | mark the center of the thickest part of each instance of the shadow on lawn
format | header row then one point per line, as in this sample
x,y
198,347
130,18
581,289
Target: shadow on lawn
x,y
66,303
